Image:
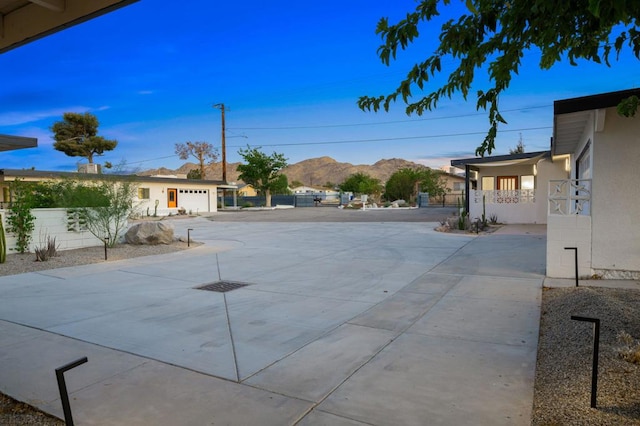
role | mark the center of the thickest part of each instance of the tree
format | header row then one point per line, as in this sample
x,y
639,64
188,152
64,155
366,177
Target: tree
x,y
498,33
519,149
406,183
108,222
77,136
261,170
194,174
362,183
204,152
281,185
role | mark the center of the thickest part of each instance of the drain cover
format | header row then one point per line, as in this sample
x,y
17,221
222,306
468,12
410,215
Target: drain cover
x,y
222,286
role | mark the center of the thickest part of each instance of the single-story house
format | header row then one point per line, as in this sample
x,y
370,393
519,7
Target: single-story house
x,y
161,195
322,193
584,188
247,190
596,208
512,188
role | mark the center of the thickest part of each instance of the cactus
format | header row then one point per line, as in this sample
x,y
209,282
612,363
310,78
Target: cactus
x,y
3,243
484,215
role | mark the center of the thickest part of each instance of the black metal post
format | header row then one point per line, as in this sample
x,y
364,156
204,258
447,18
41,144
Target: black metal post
x,y
189,236
596,350
575,249
62,387
106,242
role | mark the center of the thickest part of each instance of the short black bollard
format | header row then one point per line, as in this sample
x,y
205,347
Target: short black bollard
x,y
62,387
106,242
576,260
596,347
189,236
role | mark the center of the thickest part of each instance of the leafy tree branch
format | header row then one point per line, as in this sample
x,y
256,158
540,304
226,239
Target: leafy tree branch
x,y
493,36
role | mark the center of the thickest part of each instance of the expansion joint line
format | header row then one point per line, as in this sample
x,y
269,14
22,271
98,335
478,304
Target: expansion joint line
x,y
233,345
226,310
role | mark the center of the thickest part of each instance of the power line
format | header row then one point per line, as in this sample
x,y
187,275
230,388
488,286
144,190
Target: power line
x,y
383,122
399,138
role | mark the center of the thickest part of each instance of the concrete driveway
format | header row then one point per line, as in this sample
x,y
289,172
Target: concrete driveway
x,y
378,323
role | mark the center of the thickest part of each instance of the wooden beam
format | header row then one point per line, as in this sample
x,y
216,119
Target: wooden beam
x,y
55,5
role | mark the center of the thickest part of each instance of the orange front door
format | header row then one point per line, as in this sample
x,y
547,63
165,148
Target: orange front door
x,y
172,197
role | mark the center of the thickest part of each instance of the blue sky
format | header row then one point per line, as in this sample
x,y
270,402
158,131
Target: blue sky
x,y
290,74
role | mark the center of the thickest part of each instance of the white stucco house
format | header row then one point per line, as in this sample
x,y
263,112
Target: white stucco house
x,y
512,188
597,208
585,188
171,194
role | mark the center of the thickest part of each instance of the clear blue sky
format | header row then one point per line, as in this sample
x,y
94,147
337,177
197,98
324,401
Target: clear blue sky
x,y
290,74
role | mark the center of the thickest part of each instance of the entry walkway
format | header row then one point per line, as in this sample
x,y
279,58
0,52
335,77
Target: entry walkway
x,y
341,324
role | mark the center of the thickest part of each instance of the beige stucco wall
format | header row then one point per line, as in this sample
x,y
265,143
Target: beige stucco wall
x,y
615,206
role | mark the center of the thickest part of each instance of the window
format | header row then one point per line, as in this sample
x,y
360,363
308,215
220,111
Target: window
x,y
527,182
458,186
507,183
143,193
488,183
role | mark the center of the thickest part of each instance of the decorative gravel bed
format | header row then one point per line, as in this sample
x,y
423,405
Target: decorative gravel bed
x,y
563,372
20,263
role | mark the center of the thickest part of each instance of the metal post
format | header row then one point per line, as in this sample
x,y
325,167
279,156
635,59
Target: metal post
x,y
62,387
596,347
576,261
189,237
106,242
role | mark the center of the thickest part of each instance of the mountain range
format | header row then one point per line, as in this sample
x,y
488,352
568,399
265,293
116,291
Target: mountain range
x,y
311,172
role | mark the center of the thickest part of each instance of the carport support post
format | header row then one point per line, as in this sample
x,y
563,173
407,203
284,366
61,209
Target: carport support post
x,y
575,249
467,187
596,347
62,387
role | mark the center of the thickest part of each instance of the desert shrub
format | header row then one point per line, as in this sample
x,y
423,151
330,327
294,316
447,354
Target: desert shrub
x,y
630,349
47,251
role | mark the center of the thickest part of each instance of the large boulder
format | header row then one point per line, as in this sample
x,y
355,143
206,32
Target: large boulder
x,y
150,233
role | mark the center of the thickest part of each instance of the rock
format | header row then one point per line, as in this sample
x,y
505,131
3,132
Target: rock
x,y
150,233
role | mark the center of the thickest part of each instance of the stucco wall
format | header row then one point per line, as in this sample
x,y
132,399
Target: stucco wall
x,y
53,223
533,212
615,205
196,202
568,231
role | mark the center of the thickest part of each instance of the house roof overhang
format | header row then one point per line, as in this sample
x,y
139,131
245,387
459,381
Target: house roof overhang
x,y
12,174
23,21
571,116
10,143
526,158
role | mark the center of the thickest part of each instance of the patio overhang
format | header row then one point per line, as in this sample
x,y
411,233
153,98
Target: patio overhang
x,y
23,21
476,163
571,117
10,143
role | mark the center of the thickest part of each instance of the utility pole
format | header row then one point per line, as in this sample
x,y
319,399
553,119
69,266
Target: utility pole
x,y
224,147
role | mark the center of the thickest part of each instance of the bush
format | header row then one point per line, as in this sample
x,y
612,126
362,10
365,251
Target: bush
x,y
49,250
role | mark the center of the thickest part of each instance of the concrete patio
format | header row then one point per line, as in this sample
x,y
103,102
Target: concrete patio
x,y
381,323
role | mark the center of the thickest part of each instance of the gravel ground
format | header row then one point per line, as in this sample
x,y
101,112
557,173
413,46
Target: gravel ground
x,y
563,372
21,263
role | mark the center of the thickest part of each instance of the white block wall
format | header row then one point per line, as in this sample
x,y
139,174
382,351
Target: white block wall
x,y
53,223
568,231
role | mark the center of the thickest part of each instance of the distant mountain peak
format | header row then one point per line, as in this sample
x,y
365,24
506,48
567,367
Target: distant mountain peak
x,y
310,172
